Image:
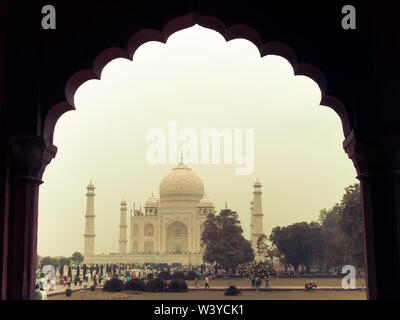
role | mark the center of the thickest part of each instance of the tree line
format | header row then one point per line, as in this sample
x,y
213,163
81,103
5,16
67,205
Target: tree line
x,y
333,241
76,259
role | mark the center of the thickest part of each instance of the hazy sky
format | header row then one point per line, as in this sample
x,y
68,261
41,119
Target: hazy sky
x,y
202,82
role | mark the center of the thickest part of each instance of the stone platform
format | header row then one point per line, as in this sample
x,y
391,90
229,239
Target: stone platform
x,y
185,259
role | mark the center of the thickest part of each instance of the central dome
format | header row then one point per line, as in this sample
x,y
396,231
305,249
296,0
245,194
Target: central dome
x,y
183,183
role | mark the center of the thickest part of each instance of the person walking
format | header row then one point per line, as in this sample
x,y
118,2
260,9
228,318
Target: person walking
x,y
196,282
42,280
206,283
267,283
258,284
52,284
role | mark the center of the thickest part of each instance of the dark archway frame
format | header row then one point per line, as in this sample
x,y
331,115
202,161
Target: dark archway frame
x,y
375,154
177,24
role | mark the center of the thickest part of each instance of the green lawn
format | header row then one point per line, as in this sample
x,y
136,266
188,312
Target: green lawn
x,y
219,295
281,282
246,295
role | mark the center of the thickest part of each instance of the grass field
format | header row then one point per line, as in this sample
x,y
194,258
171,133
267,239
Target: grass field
x,y
277,282
240,283
218,295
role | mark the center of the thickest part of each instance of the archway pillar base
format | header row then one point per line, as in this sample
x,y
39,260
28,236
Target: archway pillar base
x,y
28,158
377,161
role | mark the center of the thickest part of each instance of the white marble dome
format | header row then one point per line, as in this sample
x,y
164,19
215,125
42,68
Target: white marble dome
x,y
183,183
205,203
151,202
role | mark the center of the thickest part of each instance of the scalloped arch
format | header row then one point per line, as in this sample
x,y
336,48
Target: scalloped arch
x,y
177,24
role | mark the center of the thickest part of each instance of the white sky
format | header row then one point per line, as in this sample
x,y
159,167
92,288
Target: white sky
x,y
203,82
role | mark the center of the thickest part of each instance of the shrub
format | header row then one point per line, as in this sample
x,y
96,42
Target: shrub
x,y
135,285
177,285
150,276
232,291
92,288
113,285
68,292
191,275
164,275
310,285
156,285
178,275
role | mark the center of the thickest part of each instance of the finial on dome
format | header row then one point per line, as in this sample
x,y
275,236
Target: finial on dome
x,y
226,205
90,185
257,183
181,156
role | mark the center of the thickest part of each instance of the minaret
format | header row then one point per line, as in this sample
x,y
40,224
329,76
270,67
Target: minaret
x,y
256,228
251,214
89,226
123,229
131,229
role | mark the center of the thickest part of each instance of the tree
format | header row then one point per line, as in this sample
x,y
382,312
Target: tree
x,y
342,229
63,261
350,221
261,269
266,250
77,258
300,243
333,238
223,241
49,261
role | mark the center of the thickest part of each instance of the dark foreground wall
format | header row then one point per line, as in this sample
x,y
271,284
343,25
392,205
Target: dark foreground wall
x,y
357,71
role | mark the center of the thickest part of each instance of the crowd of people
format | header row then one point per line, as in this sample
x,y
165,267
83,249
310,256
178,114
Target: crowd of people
x,y
84,276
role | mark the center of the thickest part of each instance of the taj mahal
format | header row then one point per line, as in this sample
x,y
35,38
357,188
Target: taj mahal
x,y
168,229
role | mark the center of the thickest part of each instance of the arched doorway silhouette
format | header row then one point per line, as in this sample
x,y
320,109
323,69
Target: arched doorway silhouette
x,y
374,153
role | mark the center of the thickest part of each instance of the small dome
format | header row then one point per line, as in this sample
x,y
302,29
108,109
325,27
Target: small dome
x,y
257,183
151,202
90,185
181,182
206,202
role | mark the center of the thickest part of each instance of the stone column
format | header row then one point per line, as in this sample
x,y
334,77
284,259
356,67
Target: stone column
x,y
164,238
29,156
378,166
89,235
141,236
123,229
257,217
190,234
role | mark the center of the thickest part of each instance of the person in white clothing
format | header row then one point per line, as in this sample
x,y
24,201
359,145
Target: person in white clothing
x,y
52,284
